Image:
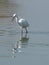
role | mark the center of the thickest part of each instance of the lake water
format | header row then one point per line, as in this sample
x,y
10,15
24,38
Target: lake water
x,y
31,48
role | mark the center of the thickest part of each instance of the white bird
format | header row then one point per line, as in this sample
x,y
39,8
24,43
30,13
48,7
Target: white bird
x,y
22,22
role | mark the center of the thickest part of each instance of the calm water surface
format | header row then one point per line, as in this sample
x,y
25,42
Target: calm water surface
x,y
31,48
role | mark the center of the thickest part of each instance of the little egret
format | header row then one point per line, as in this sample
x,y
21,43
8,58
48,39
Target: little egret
x,y
22,22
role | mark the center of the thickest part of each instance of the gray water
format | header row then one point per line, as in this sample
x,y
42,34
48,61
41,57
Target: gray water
x,y
33,47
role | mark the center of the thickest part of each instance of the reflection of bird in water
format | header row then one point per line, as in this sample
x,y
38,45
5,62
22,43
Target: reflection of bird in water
x,y
15,48
22,22
20,44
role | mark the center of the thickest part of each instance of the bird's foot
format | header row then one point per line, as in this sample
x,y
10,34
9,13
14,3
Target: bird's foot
x,y
26,31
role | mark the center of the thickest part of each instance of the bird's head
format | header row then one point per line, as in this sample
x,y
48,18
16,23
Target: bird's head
x,y
14,16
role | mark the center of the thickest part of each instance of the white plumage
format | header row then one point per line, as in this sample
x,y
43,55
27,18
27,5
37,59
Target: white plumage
x,y
22,22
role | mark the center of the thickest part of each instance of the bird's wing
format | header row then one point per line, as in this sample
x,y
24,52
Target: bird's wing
x,y
23,22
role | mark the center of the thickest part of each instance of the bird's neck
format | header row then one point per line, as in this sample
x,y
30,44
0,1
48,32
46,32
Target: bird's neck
x,y
17,19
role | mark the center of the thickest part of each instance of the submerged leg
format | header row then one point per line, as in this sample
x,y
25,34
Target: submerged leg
x,y
21,31
26,30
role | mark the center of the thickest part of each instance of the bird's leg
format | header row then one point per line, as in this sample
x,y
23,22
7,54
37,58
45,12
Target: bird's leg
x,y
26,35
26,30
21,31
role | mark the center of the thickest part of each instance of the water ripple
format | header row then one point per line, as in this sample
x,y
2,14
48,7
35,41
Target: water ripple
x,y
38,44
38,32
14,32
2,32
